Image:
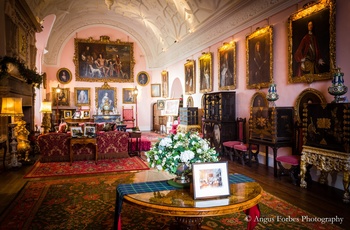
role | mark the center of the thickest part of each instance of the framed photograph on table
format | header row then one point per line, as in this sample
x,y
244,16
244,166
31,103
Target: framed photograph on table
x,y
89,131
155,90
227,66
67,114
143,78
205,72
312,42
210,180
76,131
190,77
86,113
82,96
259,58
165,84
64,75
128,96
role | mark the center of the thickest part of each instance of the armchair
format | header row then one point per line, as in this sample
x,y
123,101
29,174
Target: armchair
x,y
128,117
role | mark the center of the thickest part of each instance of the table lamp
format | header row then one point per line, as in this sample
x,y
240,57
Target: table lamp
x,y
12,107
45,108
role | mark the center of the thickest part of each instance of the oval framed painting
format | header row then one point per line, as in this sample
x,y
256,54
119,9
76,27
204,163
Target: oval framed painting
x,y
64,75
142,78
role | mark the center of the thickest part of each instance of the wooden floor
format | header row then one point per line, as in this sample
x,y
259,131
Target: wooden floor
x,y
320,200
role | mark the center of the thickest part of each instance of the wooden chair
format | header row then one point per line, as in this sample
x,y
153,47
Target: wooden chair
x,y
228,145
128,117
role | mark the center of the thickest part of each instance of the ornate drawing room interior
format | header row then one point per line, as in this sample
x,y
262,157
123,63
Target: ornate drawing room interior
x,y
98,49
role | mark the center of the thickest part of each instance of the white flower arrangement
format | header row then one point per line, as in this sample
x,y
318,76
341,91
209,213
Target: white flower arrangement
x,y
187,148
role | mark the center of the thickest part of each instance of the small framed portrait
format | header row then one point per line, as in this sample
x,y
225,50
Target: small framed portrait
x,y
106,99
82,96
89,131
259,58
155,90
128,96
60,96
86,113
190,77
67,114
76,131
165,84
210,180
311,34
227,66
171,107
205,72
190,101
143,78
64,75
160,104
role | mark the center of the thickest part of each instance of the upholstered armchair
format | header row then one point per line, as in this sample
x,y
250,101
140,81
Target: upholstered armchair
x,y
128,117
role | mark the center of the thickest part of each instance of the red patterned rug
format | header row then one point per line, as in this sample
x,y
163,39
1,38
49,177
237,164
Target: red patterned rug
x,y
86,167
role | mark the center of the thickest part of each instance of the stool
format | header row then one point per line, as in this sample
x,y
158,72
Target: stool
x,y
228,148
242,149
293,171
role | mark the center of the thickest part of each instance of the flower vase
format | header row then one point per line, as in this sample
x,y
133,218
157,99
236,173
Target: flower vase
x,y
182,179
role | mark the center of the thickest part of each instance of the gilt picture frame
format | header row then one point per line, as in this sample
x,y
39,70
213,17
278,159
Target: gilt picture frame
x,y
190,77
259,46
210,180
155,90
103,60
64,75
61,98
227,66
82,96
106,98
206,72
128,96
316,23
143,78
165,83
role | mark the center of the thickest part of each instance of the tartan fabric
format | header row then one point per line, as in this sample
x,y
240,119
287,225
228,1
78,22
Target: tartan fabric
x,y
155,186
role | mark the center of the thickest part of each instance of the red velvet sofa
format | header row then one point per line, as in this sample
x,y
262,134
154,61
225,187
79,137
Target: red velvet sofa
x,y
55,146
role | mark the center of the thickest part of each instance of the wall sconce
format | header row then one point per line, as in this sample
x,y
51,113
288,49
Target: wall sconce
x,y
46,110
12,107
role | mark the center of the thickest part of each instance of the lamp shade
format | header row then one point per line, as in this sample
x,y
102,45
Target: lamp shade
x,y
11,106
45,107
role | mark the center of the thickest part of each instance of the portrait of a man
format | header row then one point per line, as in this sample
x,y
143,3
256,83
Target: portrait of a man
x,y
142,78
128,96
205,71
190,77
227,68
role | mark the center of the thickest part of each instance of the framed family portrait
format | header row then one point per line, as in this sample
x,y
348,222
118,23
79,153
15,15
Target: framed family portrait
x,y
86,113
259,58
205,72
227,66
82,96
103,60
60,98
190,77
64,75
165,83
160,104
106,98
142,78
89,131
155,90
210,180
67,114
171,107
311,34
128,96
76,131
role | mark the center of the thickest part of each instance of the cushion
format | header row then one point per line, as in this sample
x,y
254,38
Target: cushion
x,y
292,159
230,144
62,128
108,127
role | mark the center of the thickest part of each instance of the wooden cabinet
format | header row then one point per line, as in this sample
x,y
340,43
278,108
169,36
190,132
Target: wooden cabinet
x,y
156,114
219,119
189,116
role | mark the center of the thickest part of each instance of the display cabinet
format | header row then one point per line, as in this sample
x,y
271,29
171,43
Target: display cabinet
x,y
219,118
189,116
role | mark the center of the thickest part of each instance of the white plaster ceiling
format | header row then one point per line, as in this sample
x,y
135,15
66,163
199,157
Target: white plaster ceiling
x,y
164,29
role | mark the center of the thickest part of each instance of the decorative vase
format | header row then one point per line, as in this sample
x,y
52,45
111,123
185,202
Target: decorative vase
x,y
182,179
338,88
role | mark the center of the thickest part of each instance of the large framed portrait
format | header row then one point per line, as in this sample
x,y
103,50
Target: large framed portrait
x,y
155,90
190,77
210,180
171,107
259,58
311,34
143,78
103,60
64,75
106,99
82,96
206,72
60,98
165,83
227,66
128,96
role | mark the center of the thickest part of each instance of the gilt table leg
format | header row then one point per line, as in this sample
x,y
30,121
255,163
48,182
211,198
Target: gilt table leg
x,y
346,196
303,183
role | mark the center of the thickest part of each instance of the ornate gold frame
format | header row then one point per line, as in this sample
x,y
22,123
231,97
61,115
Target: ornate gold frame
x,y
189,69
322,14
206,72
138,78
100,92
69,75
61,102
308,95
117,53
165,83
259,47
126,92
77,90
227,50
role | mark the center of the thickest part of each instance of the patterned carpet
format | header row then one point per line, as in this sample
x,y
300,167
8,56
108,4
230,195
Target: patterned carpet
x,y
88,203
